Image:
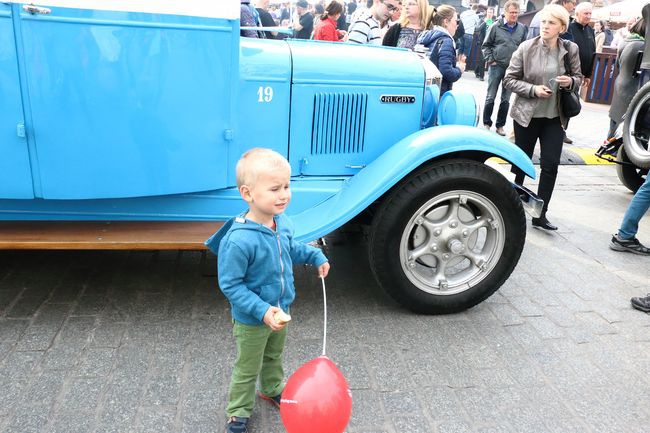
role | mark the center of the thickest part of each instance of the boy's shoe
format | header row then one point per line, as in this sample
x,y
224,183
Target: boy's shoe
x,y
642,304
501,132
275,401
237,424
630,245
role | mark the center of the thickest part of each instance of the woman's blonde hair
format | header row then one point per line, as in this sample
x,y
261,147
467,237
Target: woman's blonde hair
x,y
558,12
424,7
442,13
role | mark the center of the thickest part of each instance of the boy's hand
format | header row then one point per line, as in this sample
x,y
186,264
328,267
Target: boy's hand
x,y
269,320
323,270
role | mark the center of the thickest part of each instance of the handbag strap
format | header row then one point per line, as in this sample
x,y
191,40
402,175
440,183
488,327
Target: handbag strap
x,y
567,63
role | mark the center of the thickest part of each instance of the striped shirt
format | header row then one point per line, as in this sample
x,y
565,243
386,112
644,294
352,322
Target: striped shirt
x,y
365,30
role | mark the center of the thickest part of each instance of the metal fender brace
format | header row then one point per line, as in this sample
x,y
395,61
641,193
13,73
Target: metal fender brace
x,y
532,204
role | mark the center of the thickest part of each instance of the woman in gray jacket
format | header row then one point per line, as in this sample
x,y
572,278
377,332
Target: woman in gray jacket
x,y
536,71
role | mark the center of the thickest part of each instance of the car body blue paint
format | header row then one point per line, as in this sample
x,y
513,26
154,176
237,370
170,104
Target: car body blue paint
x,y
405,156
138,116
15,169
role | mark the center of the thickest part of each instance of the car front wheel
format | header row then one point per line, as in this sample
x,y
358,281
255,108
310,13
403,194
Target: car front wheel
x,y
447,237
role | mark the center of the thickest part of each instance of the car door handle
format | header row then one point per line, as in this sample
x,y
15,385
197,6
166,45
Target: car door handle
x,y
32,9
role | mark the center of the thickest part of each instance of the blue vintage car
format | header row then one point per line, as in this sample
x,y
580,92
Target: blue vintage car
x,y
138,111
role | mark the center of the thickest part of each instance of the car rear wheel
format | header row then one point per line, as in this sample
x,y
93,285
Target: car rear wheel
x,y
447,237
636,128
631,177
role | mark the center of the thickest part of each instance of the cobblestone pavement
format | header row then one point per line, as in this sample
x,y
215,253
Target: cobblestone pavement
x,y
141,341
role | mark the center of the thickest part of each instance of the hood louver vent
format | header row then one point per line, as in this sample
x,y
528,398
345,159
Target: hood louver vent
x,y
339,123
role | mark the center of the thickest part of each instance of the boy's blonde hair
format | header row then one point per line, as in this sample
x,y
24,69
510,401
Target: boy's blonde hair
x,y
256,161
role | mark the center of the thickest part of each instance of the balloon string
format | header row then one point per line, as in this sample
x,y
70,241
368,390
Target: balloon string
x,y
324,316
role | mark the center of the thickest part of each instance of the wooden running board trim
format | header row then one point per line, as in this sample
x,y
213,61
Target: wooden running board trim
x,y
113,235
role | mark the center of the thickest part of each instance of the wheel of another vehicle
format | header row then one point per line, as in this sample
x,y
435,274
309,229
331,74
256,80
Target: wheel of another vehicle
x,y
447,237
636,128
631,177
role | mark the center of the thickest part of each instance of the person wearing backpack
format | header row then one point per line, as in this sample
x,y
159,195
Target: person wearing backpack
x,y
441,45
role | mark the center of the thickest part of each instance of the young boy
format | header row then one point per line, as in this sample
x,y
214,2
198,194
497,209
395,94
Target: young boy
x,y
255,252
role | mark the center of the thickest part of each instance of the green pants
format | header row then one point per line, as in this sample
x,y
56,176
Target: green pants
x,y
259,353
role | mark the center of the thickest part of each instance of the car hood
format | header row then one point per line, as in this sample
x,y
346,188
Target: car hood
x,y
347,63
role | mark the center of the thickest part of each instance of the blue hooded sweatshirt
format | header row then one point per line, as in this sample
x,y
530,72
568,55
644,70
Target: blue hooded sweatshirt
x,y
256,265
443,55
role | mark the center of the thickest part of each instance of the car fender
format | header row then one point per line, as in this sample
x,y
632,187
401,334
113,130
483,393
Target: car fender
x,y
362,189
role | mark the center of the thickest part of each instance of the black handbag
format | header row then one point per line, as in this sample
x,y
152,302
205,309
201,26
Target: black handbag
x,y
569,99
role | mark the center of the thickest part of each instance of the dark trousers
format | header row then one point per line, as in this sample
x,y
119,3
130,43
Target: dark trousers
x,y
550,135
495,78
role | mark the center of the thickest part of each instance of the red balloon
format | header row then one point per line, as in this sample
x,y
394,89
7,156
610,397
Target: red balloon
x,y
316,399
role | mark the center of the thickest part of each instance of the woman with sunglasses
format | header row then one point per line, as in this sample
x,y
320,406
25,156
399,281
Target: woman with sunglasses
x,y
441,45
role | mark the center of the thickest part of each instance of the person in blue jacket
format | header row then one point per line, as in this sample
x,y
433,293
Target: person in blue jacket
x,y
441,45
256,252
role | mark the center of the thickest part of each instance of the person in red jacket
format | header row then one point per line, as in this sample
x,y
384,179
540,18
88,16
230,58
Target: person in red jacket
x,y
326,30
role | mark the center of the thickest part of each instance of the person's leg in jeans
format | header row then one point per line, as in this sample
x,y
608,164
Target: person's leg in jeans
x,y
550,141
504,106
495,75
467,45
525,139
635,211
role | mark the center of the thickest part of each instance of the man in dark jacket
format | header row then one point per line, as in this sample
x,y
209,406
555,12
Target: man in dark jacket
x,y
584,37
501,41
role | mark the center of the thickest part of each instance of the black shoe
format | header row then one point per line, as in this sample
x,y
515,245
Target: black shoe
x,y
237,424
543,223
630,245
567,140
642,304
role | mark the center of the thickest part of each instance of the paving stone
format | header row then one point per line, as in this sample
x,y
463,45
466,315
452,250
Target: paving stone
x,y
158,420
37,337
77,330
396,403
26,306
82,394
97,362
413,424
73,422
163,390
7,298
20,365
108,335
506,314
545,327
526,307
366,409
12,390
90,305
45,389
11,330
442,403
61,357
28,419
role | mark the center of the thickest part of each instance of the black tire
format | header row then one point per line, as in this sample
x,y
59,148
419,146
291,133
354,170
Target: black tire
x,y
631,177
417,218
636,128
